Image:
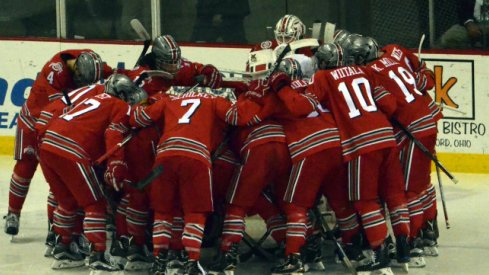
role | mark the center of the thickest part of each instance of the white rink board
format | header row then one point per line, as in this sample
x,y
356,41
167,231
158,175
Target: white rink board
x,y
458,133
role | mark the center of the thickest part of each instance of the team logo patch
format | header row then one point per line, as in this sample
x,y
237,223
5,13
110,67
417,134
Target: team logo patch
x,y
266,44
57,67
253,58
29,150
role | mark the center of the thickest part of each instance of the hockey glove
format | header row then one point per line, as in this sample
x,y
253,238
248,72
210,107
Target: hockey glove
x,y
116,174
278,80
257,90
212,77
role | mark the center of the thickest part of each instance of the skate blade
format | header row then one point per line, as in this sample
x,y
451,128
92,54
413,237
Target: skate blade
x,y
417,262
318,266
290,273
118,261
175,271
137,265
431,251
64,264
106,272
48,252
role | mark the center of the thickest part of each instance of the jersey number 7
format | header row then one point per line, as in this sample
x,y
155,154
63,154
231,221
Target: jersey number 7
x,y
195,102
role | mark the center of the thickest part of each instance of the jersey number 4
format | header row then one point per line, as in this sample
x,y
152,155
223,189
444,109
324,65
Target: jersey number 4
x,y
194,104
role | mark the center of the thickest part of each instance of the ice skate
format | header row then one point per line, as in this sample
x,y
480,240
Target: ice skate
x,y
138,257
50,241
225,262
430,236
176,262
193,267
11,224
399,253
118,251
97,261
293,266
159,264
312,254
417,254
378,263
64,257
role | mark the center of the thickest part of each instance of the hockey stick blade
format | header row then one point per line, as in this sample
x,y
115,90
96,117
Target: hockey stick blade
x,y
328,234
155,173
139,29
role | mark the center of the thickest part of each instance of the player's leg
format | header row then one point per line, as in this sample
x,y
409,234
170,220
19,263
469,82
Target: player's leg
x,y
24,169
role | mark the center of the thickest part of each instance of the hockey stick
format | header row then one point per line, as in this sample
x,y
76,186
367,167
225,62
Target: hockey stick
x,y
114,149
423,149
143,34
256,247
441,105
155,173
276,64
328,234
442,194
421,41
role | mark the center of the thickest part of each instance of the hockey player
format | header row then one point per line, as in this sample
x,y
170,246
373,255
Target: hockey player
x,y
70,145
419,115
166,57
318,167
184,152
255,174
367,141
65,71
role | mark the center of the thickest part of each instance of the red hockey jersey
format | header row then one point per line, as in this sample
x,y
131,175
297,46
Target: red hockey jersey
x,y
354,98
189,123
60,106
412,63
54,78
86,131
412,111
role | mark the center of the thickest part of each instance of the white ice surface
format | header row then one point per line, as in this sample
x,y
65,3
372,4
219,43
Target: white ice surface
x,y
464,249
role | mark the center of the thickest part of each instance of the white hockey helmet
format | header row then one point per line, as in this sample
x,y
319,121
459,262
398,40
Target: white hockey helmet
x,y
289,28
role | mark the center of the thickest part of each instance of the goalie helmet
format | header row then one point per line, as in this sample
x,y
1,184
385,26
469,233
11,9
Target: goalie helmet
x,y
121,86
167,53
88,69
289,28
330,56
363,50
291,67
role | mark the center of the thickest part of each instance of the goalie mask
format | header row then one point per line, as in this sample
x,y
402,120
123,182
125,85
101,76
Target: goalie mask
x,y
330,56
363,50
291,67
88,69
289,28
121,86
167,53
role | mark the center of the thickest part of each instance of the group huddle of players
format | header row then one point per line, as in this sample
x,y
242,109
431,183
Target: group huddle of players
x,y
273,148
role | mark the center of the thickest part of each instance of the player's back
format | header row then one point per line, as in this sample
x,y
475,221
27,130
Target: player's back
x,y
82,131
349,93
412,110
189,124
60,106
